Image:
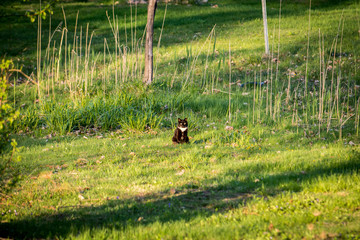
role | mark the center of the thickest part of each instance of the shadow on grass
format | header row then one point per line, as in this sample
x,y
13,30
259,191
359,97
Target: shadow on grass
x,y
189,202
27,141
18,35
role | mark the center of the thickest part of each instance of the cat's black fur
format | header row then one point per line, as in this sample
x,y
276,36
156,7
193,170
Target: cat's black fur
x,y
180,135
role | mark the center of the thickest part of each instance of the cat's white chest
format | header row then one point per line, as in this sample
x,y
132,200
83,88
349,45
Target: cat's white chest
x,y
182,129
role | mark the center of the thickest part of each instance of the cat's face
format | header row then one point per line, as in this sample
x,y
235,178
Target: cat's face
x,y
182,123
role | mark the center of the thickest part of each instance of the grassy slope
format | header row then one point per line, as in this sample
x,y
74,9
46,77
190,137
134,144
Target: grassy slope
x,y
143,187
189,26
222,185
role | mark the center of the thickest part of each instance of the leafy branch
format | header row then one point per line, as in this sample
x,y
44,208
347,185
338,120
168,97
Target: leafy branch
x,y
42,12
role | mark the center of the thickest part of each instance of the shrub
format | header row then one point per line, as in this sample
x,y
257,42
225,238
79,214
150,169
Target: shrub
x,y
7,117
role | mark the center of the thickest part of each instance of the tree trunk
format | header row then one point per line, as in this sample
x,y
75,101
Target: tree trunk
x,y
148,74
263,2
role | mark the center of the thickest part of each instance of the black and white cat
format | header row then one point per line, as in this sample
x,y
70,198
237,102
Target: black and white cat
x,y
180,135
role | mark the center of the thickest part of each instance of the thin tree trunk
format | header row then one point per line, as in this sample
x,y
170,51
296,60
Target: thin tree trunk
x,y
148,74
263,2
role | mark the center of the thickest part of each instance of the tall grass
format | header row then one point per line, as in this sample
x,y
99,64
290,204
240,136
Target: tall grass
x,y
80,73
126,111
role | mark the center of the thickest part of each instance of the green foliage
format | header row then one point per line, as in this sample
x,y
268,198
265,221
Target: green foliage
x,y
140,119
7,117
127,111
7,113
46,8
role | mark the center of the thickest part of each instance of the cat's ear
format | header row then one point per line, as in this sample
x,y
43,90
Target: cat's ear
x,y
179,120
185,119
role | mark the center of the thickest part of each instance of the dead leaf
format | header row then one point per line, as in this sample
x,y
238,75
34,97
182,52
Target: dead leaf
x,y
213,159
48,136
64,166
139,219
49,207
81,162
333,235
323,235
229,128
180,173
83,189
271,227
172,191
316,213
46,175
310,226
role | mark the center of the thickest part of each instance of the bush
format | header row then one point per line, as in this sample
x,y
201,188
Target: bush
x,y
7,117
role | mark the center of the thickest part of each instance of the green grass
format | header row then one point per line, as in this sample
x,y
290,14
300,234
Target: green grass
x,y
98,162
140,186
239,23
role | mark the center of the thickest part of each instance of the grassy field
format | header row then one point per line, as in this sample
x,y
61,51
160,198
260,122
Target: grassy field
x,y
272,161
140,186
